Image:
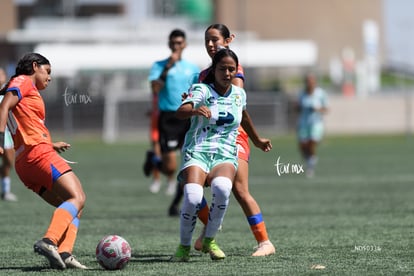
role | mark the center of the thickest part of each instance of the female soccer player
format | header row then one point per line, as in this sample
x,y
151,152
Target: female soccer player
x,y
218,36
216,108
312,104
38,163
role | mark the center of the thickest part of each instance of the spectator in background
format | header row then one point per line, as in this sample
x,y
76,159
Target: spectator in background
x,y
170,78
8,156
312,104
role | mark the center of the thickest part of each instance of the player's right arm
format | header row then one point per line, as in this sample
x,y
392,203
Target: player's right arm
x,y
10,100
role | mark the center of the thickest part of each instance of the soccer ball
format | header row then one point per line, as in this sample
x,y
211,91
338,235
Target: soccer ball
x,y
113,252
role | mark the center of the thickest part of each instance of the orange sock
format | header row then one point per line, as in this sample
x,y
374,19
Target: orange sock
x,y
67,242
259,232
203,212
61,219
258,227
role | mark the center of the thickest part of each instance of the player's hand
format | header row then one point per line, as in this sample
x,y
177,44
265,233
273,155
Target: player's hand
x,y
264,144
61,146
203,111
1,151
175,56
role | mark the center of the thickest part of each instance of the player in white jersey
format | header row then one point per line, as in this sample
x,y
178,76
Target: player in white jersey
x,y
8,156
216,108
312,105
215,135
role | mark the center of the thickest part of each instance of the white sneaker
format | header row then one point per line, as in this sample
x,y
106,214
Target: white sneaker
x,y
9,197
264,249
71,262
172,186
50,252
155,187
310,173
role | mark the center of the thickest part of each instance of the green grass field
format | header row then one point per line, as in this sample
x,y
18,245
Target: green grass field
x,y
355,217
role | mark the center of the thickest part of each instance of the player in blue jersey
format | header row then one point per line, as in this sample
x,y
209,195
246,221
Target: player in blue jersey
x,y
169,78
312,104
217,109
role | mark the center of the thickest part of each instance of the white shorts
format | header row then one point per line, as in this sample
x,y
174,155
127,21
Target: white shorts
x,y
8,140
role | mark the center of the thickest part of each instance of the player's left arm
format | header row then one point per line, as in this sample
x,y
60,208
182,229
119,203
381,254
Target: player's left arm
x,y
263,143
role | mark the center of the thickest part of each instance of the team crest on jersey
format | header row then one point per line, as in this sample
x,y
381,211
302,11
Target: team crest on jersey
x,y
211,100
238,100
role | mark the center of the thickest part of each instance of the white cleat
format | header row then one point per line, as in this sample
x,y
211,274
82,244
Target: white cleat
x,y
155,187
265,248
172,186
71,262
9,197
50,252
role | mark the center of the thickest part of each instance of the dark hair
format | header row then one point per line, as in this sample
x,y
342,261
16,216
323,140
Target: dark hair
x,y
210,78
25,67
223,30
176,33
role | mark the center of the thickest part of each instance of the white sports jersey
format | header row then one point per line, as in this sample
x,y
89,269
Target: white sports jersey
x,y
217,134
308,104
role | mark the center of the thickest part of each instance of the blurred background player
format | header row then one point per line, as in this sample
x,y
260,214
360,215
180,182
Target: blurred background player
x,y
8,156
155,146
169,78
312,104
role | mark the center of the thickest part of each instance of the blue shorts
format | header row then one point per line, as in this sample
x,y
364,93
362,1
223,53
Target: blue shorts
x,y
206,161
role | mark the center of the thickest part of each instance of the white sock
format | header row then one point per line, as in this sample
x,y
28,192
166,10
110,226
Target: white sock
x,y
312,161
193,194
5,184
220,190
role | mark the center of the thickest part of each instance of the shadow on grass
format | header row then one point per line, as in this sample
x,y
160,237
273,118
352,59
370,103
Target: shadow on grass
x,y
40,269
155,258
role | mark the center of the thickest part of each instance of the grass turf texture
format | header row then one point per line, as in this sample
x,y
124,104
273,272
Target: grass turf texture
x,y
356,217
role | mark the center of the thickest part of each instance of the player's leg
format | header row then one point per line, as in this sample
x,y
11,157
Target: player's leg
x,y
252,210
52,179
303,133
156,174
222,177
169,161
8,160
65,221
315,135
193,177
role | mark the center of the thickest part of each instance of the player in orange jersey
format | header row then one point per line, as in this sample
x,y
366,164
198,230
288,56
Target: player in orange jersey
x,y
37,161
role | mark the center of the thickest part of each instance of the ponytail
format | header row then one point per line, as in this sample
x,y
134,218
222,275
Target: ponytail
x,y
4,88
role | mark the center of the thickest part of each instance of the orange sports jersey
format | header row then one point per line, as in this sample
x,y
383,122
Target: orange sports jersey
x,y
28,128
